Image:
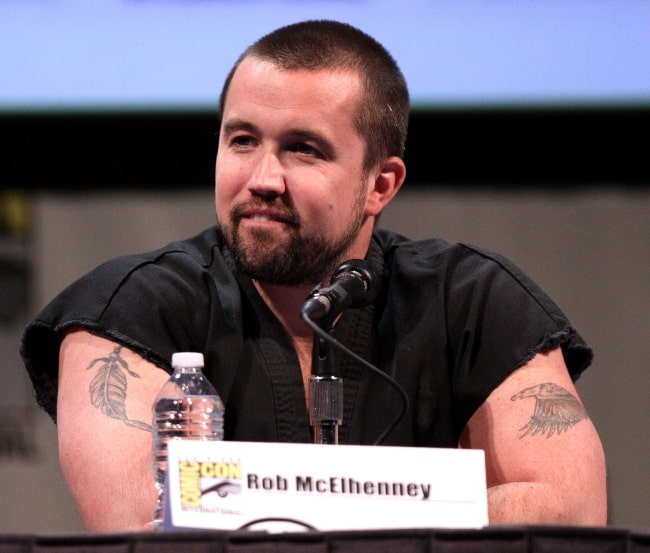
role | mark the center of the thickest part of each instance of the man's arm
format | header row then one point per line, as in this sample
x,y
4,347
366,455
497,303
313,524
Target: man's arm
x,y
544,459
106,392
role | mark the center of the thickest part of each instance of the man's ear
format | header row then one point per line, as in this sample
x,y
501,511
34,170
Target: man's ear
x,y
386,184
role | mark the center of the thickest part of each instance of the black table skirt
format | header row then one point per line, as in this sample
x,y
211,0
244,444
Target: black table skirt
x,y
501,539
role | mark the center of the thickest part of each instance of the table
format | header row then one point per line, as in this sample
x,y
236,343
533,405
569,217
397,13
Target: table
x,y
501,539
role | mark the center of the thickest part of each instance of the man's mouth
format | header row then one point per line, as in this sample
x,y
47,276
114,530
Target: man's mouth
x,y
265,215
260,218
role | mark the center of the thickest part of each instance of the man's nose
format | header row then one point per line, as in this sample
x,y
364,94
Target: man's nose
x,y
267,177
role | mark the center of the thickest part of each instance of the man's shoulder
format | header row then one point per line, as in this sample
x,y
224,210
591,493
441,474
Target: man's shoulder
x,y
437,260
391,241
399,249
179,265
194,253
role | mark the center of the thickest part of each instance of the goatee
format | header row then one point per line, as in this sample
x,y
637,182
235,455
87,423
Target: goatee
x,y
301,259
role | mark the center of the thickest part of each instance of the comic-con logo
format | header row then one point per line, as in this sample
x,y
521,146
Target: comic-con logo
x,y
199,478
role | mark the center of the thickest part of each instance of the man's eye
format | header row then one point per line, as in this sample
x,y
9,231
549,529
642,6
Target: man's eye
x,y
242,141
306,149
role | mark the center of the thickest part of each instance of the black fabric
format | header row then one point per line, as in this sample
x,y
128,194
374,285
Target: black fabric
x,y
451,322
507,539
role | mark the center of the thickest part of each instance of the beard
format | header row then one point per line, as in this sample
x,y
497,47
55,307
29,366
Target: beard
x,y
302,259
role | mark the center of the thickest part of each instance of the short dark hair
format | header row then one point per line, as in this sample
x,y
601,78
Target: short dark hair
x,y
382,117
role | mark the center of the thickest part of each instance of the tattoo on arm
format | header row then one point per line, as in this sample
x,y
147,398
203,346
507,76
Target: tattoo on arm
x,y
108,387
556,410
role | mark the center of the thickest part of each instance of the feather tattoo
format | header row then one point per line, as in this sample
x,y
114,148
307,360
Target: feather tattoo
x,y
556,410
108,387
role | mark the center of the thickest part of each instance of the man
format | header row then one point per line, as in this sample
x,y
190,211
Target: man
x,y
310,151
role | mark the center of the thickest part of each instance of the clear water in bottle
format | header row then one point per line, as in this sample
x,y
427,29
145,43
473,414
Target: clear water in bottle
x,y
187,408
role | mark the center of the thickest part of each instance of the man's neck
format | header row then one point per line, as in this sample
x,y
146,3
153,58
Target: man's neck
x,y
286,303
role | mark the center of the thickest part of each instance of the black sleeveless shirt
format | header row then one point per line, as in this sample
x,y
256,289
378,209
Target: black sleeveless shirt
x,y
450,324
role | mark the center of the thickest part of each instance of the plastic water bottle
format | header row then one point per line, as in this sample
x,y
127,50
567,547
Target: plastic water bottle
x,y
186,408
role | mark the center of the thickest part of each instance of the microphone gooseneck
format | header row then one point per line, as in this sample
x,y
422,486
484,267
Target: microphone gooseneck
x,y
353,285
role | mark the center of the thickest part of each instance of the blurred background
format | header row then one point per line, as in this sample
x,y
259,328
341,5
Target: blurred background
x,y
528,136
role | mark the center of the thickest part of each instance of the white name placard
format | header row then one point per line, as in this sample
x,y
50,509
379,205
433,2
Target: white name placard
x,y
229,485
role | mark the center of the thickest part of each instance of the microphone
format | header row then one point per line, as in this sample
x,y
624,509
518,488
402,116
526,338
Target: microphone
x,y
354,284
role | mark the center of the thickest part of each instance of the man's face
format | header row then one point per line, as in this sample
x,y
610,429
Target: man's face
x,y
290,186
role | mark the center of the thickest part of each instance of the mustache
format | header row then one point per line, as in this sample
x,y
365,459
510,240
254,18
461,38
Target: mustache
x,y
276,209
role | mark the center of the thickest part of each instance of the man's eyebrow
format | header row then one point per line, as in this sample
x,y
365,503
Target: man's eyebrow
x,y
235,125
304,134
321,141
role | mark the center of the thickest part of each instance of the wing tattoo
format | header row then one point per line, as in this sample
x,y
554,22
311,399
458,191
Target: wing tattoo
x,y
108,387
556,410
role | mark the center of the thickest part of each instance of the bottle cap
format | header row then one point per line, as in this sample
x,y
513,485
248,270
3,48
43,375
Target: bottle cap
x,y
187,359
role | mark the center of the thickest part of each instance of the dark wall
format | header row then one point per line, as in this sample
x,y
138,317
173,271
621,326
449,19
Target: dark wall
x,y
166,150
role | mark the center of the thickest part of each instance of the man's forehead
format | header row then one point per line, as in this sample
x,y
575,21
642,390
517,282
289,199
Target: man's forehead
x,y
267,80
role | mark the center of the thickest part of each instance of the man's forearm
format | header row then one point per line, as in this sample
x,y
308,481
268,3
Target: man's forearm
x,y
539,503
